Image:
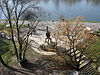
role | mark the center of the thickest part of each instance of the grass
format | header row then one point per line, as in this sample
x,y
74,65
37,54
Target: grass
x,y
98,33
22,26
5,46
2,26
91,21
95,51
98,43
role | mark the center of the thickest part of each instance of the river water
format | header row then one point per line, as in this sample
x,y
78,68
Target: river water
x,y
90,9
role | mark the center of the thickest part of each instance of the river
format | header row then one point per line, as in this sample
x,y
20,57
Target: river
x,y
90,9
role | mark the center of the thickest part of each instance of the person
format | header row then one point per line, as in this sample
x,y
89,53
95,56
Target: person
x,y
48,39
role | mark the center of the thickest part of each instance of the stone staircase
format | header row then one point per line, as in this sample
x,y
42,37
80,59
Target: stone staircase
x,y
85,63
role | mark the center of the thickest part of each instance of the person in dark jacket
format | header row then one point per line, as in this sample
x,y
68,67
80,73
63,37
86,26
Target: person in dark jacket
x,y
48,39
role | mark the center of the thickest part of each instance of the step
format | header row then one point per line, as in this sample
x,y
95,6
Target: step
x,y
91,71
81,62
85,63
76,53
82,57
88,70
82,68
68,51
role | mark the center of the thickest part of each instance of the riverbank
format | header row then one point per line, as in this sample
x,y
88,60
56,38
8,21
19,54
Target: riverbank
x,y
42,24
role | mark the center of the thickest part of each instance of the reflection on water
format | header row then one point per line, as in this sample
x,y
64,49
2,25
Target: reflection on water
x,y
71,8
71,2
57,2
94,2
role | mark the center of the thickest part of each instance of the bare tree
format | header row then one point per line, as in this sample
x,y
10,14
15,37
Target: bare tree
x,y
74,39
1,60
13,11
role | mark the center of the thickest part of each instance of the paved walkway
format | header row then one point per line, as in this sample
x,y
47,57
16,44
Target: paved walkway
x,y
37,41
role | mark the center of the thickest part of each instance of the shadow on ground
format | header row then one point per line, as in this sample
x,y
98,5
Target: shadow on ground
x,y
40,67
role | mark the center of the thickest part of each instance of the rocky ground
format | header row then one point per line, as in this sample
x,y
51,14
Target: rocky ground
x,y
40,61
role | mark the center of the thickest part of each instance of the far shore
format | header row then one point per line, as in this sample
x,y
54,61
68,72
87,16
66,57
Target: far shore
x,y
52,22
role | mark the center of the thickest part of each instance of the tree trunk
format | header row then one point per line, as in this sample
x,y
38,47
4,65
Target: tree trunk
x,y
24,54
77,67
